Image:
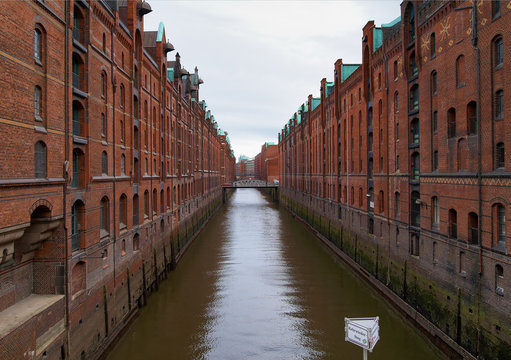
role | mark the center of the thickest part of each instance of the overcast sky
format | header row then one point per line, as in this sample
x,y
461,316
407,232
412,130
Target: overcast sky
x,y
261,59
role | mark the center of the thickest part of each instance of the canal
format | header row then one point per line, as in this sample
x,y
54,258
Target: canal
x,y
256,285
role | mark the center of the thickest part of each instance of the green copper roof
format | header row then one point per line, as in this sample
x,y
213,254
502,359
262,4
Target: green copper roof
x,y
377,38
170,74
315,103
161,27
392,23
347,70
329,87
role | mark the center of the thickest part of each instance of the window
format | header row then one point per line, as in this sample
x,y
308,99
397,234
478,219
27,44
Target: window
x,y
155,202
123,98
123,204
123,164
398,205
453,224
396,74
104,43
397,131
103,85
461,265
103,125
501,230
432,45
499,279
38,103
78,168
123,247
499,104
381,202
414,98
433,83
380,109
77,211
104,217
379,81
78,119
414,131
104,163
500,156
499,51
495,8
162,202
473,226
460,71
135,210
415,166
414,244
397,163
146,204
415,209
413,66
435,209
435,121
136,242
435,160
451,123
396,102
411,22
40,156
121,135
38,45
472,118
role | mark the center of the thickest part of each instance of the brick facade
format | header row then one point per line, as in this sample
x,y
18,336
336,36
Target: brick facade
x,y
111,162
400,167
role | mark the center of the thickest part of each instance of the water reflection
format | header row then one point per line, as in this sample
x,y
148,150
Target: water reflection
x,y
256,285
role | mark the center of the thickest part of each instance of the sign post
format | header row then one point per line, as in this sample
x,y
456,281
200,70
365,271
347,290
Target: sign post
x,y
363,332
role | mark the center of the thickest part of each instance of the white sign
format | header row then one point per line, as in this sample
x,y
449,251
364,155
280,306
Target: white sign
x,y
363,332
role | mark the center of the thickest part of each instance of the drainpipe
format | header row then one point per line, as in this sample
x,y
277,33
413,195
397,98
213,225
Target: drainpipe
x,y
386,61
65,168
479,169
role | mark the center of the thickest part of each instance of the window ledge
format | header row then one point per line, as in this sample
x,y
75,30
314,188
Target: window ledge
x,y
40,129
103,233
38,118
80,140
103,142
38,62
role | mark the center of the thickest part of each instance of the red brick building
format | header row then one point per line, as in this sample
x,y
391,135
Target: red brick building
x,y
401,162
110,163
267,162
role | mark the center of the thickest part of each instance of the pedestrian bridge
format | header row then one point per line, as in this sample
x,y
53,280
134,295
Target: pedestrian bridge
x,y
260,184
252,184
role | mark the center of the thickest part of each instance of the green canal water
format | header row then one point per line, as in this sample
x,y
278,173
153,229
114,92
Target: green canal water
x,y
256,285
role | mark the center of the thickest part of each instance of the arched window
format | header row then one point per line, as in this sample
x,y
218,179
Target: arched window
x,y
435,160
370,141
473,226
123,211
432,45
396,102
104,43
77,225
451,123
123,247
498,51
162,201
500,156
40,156
435,121
453,224
499,226
380,109
104,217
38,103
78,281
136,242
104,163
495,8
370,168
499,104
460,71
435,211
396,73
38,45
122,131
433,83
414,97
135,210
411,22
360,198
352,196
123,164
168,198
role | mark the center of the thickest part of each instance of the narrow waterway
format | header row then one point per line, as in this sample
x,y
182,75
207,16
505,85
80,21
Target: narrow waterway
x,y
256,285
